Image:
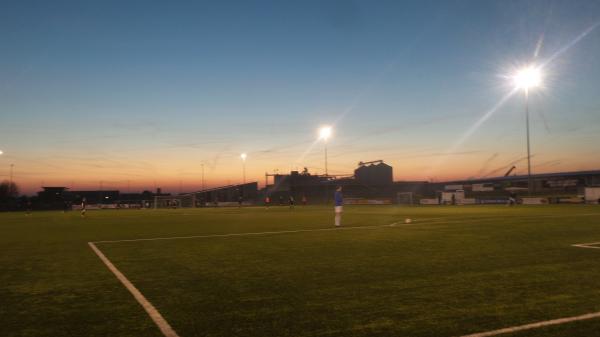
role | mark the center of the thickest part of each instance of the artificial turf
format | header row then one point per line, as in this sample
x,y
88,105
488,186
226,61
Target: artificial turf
x,y
452,271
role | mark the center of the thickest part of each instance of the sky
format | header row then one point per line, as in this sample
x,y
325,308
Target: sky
x,y
136,95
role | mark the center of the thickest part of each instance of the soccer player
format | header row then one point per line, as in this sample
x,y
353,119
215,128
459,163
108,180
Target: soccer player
x,y
291,201
339,206
28,209
267,202
512,199
83,206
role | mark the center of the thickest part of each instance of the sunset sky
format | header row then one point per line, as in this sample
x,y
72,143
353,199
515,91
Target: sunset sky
x,y
143,93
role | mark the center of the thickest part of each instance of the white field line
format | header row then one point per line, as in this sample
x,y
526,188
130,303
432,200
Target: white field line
x,y
168,331
158,319
251,233
419,221
154,314
544,323
594,245
536,325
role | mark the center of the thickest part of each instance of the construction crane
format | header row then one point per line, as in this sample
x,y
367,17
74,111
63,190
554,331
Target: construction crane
x,y
510,171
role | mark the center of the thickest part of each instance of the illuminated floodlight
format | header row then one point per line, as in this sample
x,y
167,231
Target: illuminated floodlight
x,y
528,77
325,132
1,153
243,156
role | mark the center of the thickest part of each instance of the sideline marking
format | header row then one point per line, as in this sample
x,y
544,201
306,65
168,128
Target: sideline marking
x,y
158,319
593,245
536,325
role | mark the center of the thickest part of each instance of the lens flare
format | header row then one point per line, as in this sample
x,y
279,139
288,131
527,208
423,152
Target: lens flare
x,y
528,77
325,132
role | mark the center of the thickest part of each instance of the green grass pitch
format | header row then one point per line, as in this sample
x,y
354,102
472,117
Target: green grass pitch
x,y
453,271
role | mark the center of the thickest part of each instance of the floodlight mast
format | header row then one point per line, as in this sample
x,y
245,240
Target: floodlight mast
x,y
526,78
244,156
324,134
529,180
202,175
10,183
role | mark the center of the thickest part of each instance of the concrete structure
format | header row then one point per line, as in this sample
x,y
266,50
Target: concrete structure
x,y
560,183
374,173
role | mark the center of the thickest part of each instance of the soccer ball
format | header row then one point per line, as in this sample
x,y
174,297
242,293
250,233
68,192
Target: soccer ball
x,y
407,220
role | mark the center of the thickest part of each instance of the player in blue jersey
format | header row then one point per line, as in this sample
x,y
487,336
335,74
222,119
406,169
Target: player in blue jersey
x,y
339,206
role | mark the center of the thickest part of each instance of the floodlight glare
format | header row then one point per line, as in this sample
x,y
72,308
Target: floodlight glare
x,y
325,132
1,152
528,77
244,156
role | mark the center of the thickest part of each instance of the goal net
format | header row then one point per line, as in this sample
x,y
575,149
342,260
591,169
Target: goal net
x,y
175,201
404,198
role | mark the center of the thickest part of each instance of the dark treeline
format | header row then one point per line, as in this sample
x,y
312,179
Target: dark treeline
x,y
10,199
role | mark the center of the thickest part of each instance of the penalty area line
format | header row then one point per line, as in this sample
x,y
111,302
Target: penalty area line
x,y
158,319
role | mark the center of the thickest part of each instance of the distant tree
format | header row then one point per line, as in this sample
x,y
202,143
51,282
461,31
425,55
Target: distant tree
x,y
8,190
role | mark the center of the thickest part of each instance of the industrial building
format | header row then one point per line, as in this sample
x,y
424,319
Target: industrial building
x,y
374,180
555,186
374,173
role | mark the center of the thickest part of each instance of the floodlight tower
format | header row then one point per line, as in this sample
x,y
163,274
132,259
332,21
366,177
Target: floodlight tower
x,y
244,156
324,134
10,182
202,176
525,79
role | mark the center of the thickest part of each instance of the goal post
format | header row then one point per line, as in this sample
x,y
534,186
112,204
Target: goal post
x,y
175,201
